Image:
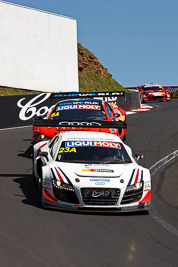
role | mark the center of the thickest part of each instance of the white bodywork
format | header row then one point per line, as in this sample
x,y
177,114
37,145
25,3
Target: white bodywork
x,y
102,177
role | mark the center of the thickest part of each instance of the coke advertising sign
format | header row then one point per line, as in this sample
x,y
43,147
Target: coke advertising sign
x,y
31,108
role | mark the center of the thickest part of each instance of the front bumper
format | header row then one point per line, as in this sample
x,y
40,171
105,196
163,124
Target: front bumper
x,y
86,209
137,207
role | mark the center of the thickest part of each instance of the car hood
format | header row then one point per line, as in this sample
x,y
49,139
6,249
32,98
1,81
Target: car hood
x,y
93,170
155,92
90,175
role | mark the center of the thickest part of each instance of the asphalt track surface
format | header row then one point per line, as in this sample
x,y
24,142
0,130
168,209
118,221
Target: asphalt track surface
x,y
32,236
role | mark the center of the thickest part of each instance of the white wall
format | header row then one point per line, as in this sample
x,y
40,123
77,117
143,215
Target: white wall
x,y
38,50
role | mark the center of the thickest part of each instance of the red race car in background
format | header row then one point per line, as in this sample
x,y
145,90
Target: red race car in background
x,y
153,91
84,111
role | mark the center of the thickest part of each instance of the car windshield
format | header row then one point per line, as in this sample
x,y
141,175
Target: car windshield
x,y
102,152
78,111
154,88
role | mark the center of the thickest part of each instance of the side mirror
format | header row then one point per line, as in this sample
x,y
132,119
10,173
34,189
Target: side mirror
x,y
139,156
44,155
116,115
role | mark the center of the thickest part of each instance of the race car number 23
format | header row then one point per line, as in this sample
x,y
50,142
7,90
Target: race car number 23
x,y
67,150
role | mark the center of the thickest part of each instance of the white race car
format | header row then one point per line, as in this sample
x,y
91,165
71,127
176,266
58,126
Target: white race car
x,y
89,171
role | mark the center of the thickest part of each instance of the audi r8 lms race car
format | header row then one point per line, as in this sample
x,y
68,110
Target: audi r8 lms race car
x,y
90,171
152,92
81,110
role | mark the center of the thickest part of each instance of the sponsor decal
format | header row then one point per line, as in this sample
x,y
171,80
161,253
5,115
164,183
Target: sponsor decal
x,y
66,107
92,143
173,90
69,107
79,143
99,180
96,165
147,186
78,102
121,93
96,170
106,144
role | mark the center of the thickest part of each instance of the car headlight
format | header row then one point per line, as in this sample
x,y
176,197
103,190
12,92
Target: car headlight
x,y
64,192
134,187
61,185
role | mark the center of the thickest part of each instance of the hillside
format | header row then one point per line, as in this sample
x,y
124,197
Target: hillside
x,y
93,77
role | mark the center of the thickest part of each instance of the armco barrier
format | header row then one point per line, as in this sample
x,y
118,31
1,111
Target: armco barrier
x,y
19,110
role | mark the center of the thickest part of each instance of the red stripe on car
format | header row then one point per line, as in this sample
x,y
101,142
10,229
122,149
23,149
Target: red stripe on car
x,y
59,175
147,197
136,178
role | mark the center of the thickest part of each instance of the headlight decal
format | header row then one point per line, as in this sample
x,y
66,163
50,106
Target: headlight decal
x,y
131,178
136,179
69,182
53,175
63,178
141,176
59,175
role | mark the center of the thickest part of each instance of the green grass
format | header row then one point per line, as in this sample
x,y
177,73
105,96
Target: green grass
x,y
91,82
6,91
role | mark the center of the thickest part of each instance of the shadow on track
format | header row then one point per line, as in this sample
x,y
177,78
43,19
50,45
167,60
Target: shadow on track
x,y
29,189
27,154
31,193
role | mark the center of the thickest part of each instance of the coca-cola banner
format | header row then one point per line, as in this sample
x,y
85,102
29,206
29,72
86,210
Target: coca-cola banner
x,y
20,110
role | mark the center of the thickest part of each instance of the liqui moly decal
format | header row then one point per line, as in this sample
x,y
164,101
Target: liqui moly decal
x,y
69,107
92,143
29,109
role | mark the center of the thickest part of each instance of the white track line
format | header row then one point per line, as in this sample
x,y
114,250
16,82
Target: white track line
x,y
153,213
21,127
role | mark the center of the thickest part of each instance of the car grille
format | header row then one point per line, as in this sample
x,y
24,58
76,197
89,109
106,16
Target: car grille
x,y
132,196
157,97
100,196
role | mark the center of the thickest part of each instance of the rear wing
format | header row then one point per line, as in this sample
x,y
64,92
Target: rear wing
x,y
80,124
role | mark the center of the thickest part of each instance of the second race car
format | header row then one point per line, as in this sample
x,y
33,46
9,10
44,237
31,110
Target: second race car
x,y
152,91
81,110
